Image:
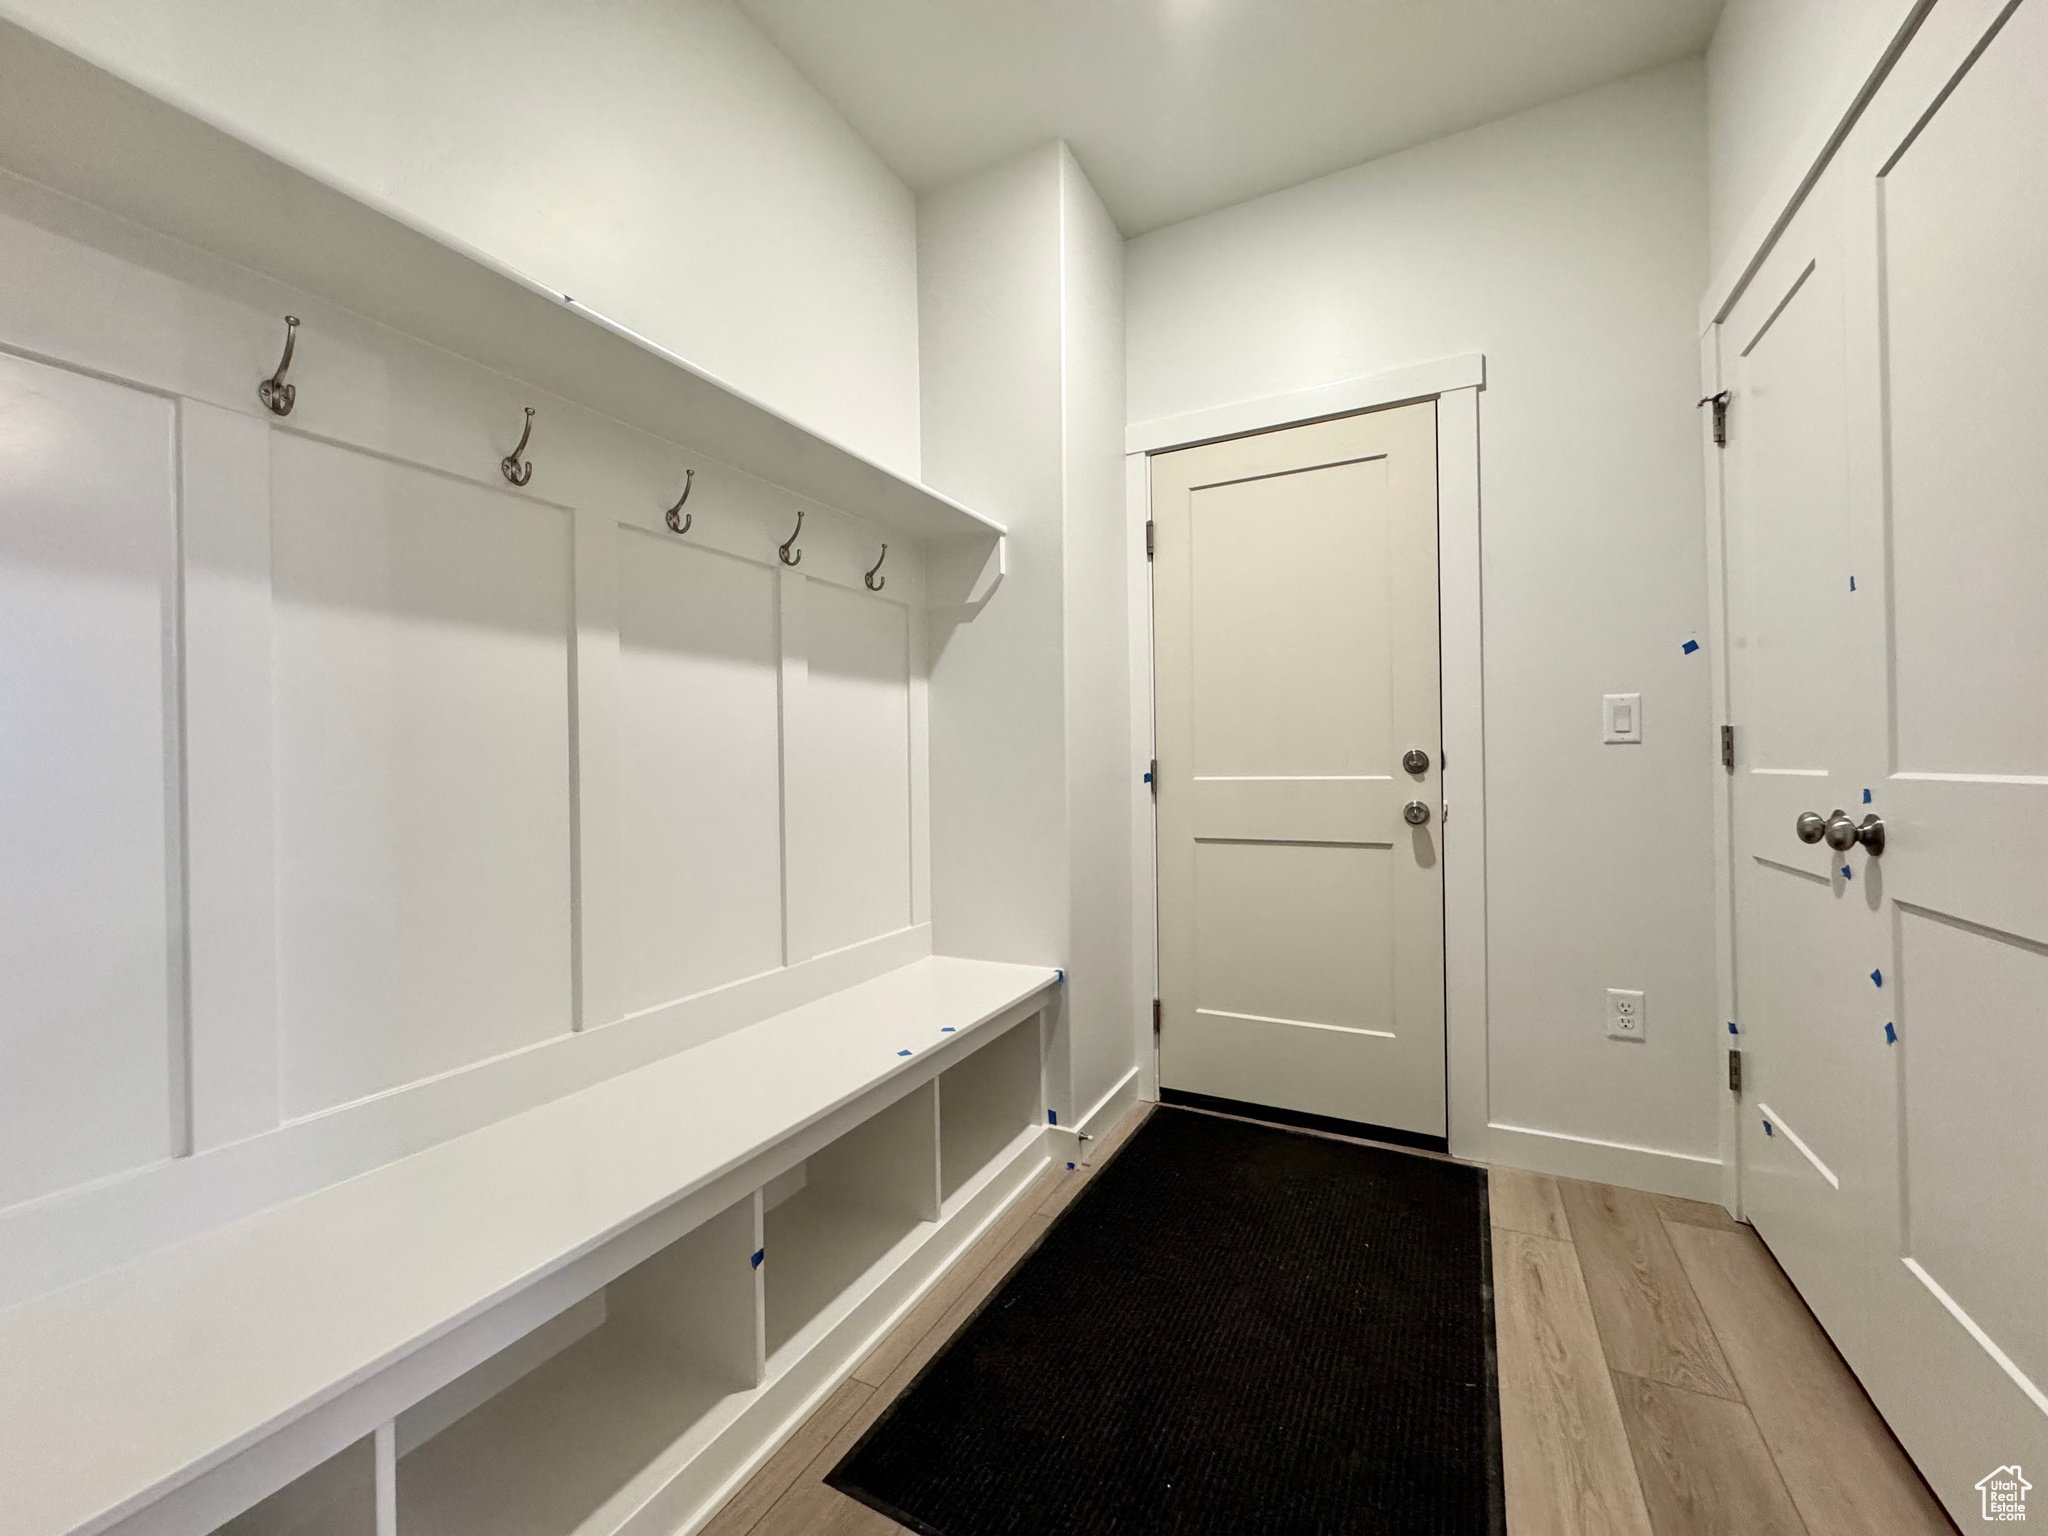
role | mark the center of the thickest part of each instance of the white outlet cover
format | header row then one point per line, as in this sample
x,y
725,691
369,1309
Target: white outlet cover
x,y
1621,717
1626,1018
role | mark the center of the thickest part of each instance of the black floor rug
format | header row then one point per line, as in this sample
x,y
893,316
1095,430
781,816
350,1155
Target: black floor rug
x,y
1235,1329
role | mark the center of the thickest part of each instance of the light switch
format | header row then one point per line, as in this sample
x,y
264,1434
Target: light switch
x,y
1622,716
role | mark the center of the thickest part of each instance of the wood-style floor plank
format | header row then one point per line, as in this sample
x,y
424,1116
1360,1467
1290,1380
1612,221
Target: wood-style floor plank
x,y
1523,1201
1566,1458
1704,1468
1840,1463
1650,1321
744,1511
1696,1213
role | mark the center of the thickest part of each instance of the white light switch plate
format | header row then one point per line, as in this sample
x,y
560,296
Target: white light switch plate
x,y
1625,1018
1621,716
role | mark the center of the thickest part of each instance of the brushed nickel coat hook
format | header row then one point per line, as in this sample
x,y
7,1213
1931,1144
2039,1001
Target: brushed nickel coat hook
x,y
682,524
273,391
515,471
875,580
783,551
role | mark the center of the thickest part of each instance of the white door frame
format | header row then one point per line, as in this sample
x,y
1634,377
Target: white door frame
x,y
1454,383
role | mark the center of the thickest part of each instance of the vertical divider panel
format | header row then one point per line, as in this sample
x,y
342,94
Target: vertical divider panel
x,y
791,646
594,779
756,1255
920,766
386,1450
698,1298
230,790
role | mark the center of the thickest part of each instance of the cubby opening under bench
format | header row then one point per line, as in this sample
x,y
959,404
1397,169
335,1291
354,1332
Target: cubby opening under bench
x,y
596,1316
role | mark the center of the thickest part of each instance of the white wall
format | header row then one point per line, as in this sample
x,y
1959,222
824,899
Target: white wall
x,y
1568,244
1778,74
660,162
1021,320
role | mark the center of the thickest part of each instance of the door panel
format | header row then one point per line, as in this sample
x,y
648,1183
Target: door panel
x,y
1892,1006
1301,919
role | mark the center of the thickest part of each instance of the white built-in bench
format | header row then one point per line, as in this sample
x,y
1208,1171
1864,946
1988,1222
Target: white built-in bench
x,y
595,1316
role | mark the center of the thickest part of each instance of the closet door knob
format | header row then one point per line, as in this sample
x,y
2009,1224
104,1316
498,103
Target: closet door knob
x,y
1415,760
1415,813
1811,826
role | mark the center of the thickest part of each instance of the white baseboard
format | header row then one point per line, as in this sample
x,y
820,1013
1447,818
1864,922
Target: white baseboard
x,y
1605,1162
1068,1145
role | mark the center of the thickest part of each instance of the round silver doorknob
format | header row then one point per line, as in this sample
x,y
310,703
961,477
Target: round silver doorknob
x,y
1840,832
1415,760
1415,813
1811,826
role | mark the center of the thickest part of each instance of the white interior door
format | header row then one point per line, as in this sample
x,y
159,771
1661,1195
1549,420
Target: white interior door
x,y
1300,909
1888,556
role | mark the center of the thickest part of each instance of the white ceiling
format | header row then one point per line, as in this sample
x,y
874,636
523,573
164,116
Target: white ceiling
x,y
1175,107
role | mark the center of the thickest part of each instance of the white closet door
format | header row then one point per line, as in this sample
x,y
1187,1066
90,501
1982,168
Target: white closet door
x,y
1888,555
90,1026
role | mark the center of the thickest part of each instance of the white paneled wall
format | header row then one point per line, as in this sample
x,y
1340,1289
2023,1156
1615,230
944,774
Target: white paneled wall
x,y
90,1054
700,862
439,797
421,719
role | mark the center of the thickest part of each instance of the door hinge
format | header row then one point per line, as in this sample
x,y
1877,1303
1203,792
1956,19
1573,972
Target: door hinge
x,y
1734,1071
1720,404
1156,1017
1728,746
1152,777
1150,542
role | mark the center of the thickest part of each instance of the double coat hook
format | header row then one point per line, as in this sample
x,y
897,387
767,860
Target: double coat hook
x,y
784,551
875,580
515,471
273,391
677,523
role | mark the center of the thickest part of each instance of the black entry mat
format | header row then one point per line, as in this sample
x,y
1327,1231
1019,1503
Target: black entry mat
x,y
1234,1329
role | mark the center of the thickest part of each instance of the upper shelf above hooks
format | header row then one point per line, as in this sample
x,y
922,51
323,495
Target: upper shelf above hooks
x,y
104,141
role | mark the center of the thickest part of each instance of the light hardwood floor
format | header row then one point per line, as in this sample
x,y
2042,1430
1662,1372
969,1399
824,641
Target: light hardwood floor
x,y
1658,1374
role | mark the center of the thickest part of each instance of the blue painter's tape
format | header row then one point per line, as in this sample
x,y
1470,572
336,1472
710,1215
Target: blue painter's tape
x,y
946,1029
1148,778
903,1053
1052,1117
759,1255
1689,647
1877,978
1866,797
1732,1029
1059,975
1070,1167
1891,1036
1848,873
1852,583
1769,1129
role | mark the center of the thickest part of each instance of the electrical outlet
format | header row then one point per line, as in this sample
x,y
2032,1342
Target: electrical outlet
x,y
1621,717
1624,1014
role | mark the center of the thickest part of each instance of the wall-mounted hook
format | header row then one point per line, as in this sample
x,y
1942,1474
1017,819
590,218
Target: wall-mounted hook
x,y
515,471
273,391
875,580
678,524
784,551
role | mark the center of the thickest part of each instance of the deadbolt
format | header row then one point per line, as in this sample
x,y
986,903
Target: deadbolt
x,y
1415,813
1415,760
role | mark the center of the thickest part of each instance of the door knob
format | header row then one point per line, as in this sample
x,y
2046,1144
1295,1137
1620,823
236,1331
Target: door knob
x,y
1415,760
1842,833
1415,813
